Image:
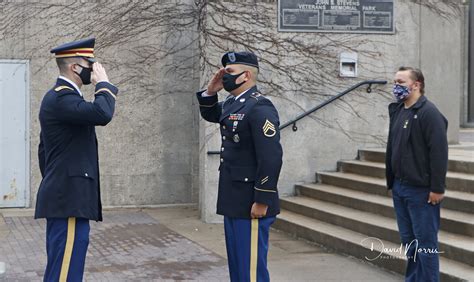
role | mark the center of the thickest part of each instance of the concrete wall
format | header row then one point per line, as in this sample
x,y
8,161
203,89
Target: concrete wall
x,y
422,39
442,60
148,153
160,52
469,53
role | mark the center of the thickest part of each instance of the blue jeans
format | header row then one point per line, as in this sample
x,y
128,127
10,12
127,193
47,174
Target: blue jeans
x,y
418,224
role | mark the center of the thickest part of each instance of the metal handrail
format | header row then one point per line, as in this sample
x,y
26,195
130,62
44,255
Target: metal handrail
x,y
323,104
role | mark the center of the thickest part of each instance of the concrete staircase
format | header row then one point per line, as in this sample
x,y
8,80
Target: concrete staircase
x,y
351,211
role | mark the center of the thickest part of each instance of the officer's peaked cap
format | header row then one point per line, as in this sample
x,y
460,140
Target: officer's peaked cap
x,y
82,48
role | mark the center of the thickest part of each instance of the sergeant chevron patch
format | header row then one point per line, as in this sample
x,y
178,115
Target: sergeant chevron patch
x,y
269,129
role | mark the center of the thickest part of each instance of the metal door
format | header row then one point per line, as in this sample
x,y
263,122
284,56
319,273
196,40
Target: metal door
x,y
14,133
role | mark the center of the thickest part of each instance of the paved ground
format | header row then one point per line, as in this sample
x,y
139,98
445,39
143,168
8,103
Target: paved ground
x,y
130,245
166,244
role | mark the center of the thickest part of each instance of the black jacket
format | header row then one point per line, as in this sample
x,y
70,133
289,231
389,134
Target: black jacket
x,y
67,152
422,159
251,154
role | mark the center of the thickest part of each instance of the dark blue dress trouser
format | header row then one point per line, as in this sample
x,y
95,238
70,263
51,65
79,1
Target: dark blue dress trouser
x,y
67,240
247,248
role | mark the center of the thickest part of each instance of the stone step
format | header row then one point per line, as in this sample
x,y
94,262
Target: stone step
x,y
455,247
381,253
461,159
457,162
456,181
366,168
453,221
455,200
372,155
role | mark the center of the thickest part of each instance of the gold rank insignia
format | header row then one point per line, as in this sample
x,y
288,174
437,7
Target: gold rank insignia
x,y
59,88
269,129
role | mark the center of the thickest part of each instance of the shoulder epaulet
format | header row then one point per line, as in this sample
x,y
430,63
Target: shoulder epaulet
x,y
258,96
59,88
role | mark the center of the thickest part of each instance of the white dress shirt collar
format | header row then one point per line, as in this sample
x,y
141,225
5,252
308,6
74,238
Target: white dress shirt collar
x,y
237,97
72,83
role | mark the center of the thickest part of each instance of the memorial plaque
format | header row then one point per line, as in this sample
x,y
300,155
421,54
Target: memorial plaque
x,y
354,16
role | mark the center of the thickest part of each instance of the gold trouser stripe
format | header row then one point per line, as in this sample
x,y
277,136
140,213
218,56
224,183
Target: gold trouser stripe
x,y
71,231
253,250
106,90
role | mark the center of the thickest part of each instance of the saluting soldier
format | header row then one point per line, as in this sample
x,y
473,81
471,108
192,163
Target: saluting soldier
x,y
250,163
69,194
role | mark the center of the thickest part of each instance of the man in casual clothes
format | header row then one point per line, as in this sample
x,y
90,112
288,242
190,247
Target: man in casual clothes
x,y
416,165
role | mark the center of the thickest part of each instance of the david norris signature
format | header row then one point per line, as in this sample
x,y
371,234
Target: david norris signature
x,y
380,251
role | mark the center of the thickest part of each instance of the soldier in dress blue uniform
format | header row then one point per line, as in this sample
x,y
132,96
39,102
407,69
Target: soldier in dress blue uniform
x,y
69,193
250,163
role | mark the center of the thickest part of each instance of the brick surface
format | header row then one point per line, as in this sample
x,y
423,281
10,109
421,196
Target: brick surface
x,y
127,246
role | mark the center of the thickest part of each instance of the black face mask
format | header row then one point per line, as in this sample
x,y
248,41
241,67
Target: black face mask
x,y
228,81
85,75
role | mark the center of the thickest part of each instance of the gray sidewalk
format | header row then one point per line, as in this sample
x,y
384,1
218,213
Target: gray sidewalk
x,y
166,244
